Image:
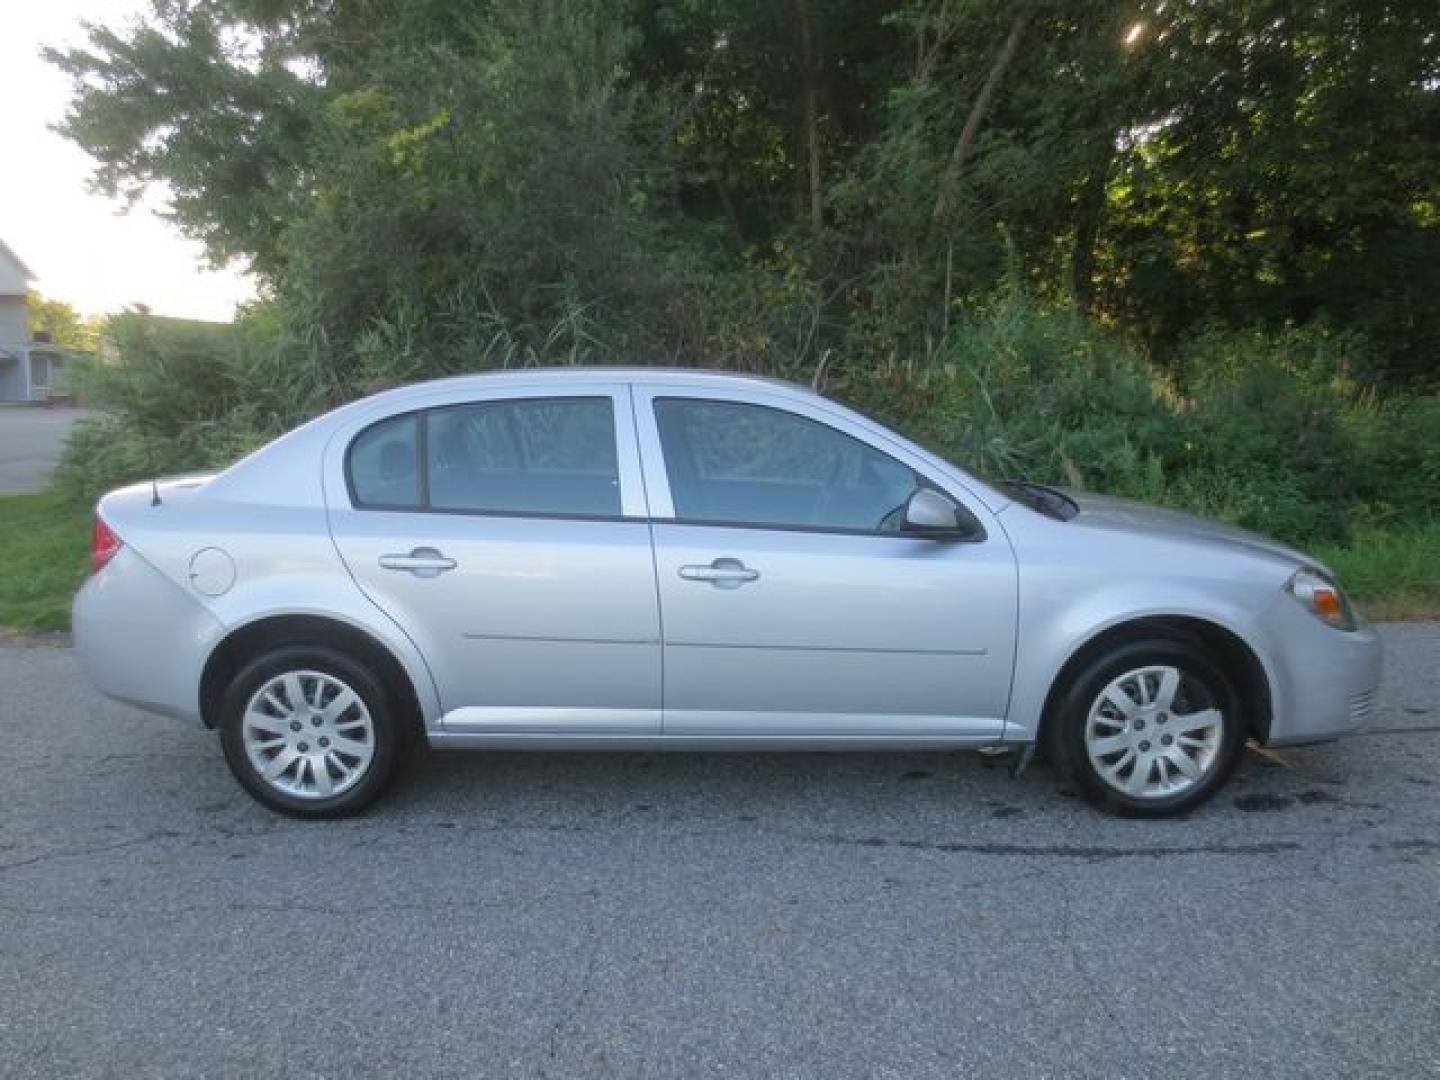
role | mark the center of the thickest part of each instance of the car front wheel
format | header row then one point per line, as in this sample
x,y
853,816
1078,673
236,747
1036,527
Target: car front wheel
x,y
309,732
1148,728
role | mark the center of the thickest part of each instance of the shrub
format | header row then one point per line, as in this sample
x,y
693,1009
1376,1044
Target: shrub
x,y
1399,444
1019,391
1264,441
1265,430
176,396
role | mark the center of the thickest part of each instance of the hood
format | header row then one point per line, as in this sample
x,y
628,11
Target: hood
x,y
1126,515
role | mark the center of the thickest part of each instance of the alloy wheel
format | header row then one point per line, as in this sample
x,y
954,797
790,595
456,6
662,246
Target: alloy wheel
x,y
307,734
1154,732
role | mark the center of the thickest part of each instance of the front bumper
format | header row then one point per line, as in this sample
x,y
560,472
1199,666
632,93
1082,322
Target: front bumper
x,y
141,638
1323,682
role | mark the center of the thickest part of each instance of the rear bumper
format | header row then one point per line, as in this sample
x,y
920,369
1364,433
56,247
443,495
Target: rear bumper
x,y
1323,681
142,639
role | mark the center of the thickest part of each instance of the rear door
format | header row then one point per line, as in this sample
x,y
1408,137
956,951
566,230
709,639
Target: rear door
x,y
506,534
792,604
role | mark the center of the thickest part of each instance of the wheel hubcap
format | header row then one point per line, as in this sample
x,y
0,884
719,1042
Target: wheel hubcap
x,y
308,735
1124,754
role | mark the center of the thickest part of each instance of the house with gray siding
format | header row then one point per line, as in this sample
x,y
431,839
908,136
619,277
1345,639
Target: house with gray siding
x,y
29,370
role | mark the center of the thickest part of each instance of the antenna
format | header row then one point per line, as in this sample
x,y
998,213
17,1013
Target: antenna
x,y
154,492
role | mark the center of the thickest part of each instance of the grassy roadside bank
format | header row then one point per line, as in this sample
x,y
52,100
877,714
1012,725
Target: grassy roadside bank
x,y
45,543
1391,574
44,556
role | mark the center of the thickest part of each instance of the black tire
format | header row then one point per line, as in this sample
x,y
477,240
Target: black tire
x,y
387,730
1203,682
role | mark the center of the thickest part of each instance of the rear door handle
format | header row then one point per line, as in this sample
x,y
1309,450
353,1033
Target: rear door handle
x,y
722,573
423,562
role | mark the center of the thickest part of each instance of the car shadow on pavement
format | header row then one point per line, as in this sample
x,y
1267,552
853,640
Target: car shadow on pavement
x,y
890,789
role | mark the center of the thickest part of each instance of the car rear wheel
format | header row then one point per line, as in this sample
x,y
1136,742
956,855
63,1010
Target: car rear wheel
x,y
309,732
1148,728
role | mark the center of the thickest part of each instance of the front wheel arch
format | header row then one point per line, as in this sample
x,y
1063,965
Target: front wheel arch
x,y
1234,656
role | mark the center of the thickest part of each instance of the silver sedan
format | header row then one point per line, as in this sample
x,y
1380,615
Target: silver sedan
x,y
598,559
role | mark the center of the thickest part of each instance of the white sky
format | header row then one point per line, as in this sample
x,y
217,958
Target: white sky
x,y
81,246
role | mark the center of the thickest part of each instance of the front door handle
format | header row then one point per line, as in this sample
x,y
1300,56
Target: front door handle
x,y
722,573
423,562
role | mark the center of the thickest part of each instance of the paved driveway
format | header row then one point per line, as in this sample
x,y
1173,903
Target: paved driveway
x,y
30,444
626,915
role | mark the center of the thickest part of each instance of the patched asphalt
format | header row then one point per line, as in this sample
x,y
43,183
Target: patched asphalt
x,y
648,915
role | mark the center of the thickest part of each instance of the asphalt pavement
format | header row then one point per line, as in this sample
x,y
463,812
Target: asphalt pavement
x,y
31,439
647,915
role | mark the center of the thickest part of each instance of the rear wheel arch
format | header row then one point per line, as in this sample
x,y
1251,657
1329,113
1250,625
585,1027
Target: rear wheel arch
x,y
1226,648
245,643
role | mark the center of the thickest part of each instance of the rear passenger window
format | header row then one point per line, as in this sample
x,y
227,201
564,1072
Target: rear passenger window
x,y
536,456
384,465
547,456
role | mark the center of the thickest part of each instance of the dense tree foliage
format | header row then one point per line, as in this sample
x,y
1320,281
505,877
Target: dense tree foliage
x,y
64,325
699,178
1181,249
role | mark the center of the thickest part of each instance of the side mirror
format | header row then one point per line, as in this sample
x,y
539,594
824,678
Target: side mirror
x,y
930,513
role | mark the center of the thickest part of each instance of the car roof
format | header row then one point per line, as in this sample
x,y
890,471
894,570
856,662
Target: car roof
x,y
588,374
402,395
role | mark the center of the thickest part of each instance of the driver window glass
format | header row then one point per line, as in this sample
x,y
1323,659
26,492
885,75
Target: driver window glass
x,y
734,463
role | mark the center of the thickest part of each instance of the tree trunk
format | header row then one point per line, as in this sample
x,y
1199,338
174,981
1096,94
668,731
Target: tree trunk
x,y
810,108
727,204
1089,214
981,106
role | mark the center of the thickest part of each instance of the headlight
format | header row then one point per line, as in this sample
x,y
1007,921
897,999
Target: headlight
x,y
1323,598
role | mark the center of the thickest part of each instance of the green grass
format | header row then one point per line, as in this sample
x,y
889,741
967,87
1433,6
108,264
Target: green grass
x,y
45,543
44,556
1391,573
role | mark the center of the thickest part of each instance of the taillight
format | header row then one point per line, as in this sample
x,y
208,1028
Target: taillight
x,y
104,545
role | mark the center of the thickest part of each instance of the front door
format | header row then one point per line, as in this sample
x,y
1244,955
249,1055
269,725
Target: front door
x,y
793,605
507,536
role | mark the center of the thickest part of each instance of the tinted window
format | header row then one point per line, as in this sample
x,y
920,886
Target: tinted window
x,y
752,465
384,464
542,455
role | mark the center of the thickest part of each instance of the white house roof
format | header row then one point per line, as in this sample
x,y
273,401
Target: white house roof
x,y
15,276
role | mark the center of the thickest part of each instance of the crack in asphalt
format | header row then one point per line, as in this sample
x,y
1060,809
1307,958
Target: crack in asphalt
x,y
1099,992
1416,843
577,1006
100,849
1416,729
1083,852
256,907
221,833
1088,853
